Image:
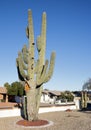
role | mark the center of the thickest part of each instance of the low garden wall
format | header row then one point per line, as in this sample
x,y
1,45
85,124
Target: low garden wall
x,y
11,112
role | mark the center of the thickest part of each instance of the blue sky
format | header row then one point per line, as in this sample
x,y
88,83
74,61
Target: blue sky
x,y
68,33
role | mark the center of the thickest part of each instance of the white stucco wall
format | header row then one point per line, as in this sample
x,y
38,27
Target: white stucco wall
x,y
17,111
10,112
44,98
56,108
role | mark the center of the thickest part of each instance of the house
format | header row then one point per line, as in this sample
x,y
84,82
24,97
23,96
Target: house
x,y
3,94
49,96
45,96
54,93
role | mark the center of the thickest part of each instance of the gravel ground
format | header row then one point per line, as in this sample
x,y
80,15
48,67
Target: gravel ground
x,y
73,120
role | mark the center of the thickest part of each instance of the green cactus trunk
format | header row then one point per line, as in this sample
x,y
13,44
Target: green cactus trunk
x,y
34,72
31,105
84,99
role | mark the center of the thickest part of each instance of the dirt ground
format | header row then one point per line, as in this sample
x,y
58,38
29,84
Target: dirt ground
x,y
72,120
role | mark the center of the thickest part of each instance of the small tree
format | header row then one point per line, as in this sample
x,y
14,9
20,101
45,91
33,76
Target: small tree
x,y
67,95
16,89
34,72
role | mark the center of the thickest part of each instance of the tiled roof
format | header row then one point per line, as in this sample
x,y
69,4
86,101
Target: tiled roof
x,y
3,90
56,93
45,91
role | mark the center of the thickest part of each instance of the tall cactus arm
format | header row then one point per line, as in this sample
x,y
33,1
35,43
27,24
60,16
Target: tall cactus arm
x,y
21,62
43,33
40,57
43,39
39,72
41,46
30,29
22,67
51,68
19,74
31,46
43,74
25,54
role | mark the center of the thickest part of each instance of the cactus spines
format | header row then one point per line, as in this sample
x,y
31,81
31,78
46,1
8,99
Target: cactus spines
x,y
34,71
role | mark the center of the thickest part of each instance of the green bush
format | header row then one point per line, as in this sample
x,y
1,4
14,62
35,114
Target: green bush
x,y
16,89
67,95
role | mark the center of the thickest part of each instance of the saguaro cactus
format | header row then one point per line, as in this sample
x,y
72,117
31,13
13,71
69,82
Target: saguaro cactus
x,y
32,71
84,99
